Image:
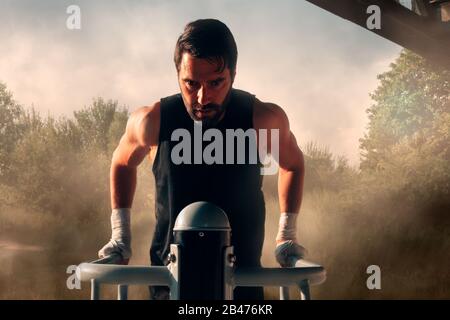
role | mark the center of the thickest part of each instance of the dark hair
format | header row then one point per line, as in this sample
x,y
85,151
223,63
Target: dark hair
x,y
207,39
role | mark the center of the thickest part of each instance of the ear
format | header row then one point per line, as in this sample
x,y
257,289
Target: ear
x,y
233,75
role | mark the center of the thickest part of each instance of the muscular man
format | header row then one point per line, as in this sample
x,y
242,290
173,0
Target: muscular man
x,y
205,59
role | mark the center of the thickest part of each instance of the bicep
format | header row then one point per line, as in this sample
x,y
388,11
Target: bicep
x,y
129,152
272,118
291,157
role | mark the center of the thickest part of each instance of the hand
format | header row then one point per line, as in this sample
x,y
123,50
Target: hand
x,y
113,249
120,243
288,252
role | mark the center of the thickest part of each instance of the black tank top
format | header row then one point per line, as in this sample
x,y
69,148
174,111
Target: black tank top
x,y
236,188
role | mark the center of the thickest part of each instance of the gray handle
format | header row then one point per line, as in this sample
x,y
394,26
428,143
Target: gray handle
x,y
115,258
284,291
122,290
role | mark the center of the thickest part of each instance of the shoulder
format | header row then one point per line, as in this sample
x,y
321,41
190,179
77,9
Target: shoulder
x,y
146,113
267,115
143,124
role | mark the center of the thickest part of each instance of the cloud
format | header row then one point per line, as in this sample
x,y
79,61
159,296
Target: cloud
x,y
318,67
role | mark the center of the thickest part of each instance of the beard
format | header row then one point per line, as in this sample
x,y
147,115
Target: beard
x,y
216,112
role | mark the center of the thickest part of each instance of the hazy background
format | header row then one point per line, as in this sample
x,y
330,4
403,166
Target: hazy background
x,y
290,53
65,97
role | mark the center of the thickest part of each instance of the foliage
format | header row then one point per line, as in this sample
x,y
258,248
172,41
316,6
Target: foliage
x,y
409,101
393,211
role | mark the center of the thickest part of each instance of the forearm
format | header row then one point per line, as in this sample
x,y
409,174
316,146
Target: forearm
x,y
290,191
290,188
123,185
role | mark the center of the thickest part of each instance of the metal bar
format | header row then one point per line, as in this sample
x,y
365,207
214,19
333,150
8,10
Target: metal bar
x,y
284,293
119,274
304,290
304,273
229,260
249,277
95,290
174,269
122,292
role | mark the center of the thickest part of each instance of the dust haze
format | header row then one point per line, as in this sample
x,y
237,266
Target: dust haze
x,y
124,52
54,168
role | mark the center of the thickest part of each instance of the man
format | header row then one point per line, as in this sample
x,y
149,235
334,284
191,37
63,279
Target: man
x,y
205,58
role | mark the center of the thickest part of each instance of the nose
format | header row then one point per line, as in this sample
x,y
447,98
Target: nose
x,y
203,97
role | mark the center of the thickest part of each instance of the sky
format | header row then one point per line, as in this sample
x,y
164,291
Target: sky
x,y
318,67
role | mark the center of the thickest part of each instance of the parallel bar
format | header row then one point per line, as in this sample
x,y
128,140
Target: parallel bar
x,y
304,290
174,270
303,274
95,290
284,293
122,292
119,274
229,260
249,277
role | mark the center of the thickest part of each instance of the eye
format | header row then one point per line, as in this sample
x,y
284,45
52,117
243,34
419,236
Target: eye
x,y
215,83
190,83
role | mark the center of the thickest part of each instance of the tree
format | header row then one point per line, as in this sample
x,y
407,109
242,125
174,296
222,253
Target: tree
x,y
96,122
11,128
411,98
323,171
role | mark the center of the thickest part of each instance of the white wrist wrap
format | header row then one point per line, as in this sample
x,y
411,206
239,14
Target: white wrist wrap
x,y
287,227
120,225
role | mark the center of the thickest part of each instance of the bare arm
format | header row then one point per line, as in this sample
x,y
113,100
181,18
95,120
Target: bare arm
x,y
291,173
140,136
291,161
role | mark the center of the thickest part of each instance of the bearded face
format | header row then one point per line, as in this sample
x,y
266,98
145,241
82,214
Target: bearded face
x,y
205,86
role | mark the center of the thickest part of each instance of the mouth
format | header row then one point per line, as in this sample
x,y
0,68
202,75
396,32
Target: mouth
x,y
203,108
203,112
